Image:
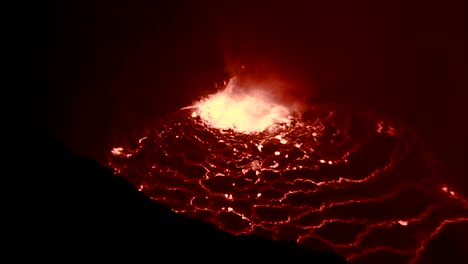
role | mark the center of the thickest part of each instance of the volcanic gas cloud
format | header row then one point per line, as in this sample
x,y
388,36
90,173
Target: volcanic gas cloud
x,y
328,177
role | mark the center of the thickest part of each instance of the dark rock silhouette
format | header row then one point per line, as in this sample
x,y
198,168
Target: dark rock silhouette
x,y
89,212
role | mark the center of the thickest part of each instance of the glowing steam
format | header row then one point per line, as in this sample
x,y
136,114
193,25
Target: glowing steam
x,y
246,112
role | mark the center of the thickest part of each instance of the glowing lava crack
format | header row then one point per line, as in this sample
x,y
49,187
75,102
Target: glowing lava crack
x,y
344,181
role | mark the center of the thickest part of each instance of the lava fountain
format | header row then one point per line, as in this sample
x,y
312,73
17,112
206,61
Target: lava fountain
x,y
328,177
247,112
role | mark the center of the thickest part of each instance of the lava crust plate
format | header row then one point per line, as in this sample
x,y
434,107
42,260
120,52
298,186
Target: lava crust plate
x,y
331,179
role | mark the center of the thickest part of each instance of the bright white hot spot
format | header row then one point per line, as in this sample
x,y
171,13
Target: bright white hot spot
x,y
403,223
117,151
233,108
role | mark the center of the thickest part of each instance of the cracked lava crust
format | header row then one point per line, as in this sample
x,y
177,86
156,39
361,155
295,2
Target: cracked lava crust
x,y
331,179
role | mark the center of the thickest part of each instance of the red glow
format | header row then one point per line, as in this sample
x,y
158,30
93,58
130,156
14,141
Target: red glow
x,y
349,182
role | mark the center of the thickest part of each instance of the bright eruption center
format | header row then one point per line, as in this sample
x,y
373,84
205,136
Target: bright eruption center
x,y
246,112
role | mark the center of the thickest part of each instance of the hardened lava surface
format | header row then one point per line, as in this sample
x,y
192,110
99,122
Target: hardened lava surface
x,y
345,181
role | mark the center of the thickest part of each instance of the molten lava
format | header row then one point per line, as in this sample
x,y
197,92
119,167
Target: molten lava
x,y
341,180
244,112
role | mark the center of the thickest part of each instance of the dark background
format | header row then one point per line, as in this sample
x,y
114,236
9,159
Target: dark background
x,y
107,67
103,68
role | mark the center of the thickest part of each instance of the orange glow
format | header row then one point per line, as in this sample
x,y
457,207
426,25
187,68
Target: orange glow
x,y
247,112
